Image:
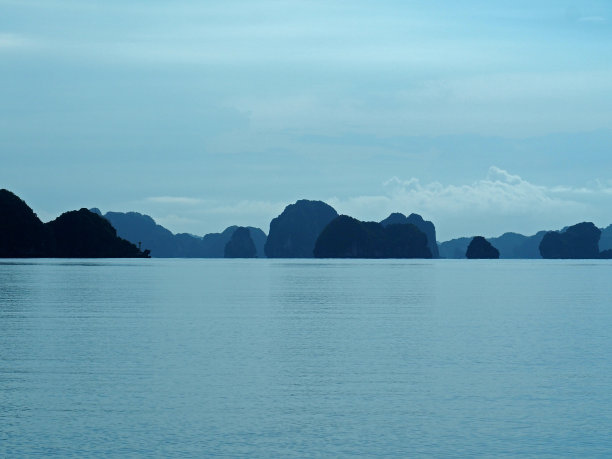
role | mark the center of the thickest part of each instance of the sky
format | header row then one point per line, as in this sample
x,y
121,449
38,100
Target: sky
x,y
484,117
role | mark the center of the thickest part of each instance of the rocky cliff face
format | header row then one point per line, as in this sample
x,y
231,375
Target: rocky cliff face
x,y
480,248
240,245
425,226
347,237
294,232
579,241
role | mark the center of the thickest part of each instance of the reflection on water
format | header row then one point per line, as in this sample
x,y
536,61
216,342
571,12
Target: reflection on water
x,y
306,357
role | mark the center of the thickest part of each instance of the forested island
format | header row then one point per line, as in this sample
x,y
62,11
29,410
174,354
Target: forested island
x,y
75,234
305,229
347,237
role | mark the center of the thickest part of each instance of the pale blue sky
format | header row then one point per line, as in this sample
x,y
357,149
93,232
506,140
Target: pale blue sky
x,y
482,116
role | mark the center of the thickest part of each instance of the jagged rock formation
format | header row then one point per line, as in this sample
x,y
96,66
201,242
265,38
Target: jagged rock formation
x,y
163,243
240,245
579,241
294,232
480,248
75,234
425,226
347,237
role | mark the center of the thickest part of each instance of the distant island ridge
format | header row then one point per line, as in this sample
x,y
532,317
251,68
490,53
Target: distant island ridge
x,y
162,243
305,229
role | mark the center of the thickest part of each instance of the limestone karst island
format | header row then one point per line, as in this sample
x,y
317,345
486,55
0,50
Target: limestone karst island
x,y
305,229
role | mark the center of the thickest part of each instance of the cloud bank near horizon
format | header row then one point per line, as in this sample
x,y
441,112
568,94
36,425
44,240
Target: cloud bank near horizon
x,y
498,203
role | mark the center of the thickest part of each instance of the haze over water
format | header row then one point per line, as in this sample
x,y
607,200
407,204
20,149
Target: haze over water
x,y
277,358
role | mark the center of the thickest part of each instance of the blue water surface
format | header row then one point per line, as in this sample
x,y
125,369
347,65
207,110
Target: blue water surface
x,y
302,358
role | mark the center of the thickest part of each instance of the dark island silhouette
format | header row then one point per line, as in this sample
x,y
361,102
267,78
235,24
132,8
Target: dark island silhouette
x,y
480,248
425,226
240,245
22,234
294,232
304,229
580,241
83,234
347,237
74,234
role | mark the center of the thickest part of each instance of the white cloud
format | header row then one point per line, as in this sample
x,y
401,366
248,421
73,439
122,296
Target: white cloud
x,y
498,203
498,191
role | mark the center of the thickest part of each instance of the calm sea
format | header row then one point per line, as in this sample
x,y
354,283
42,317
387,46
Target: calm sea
x,y
294,358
